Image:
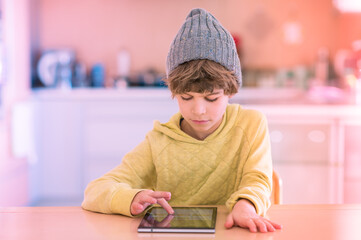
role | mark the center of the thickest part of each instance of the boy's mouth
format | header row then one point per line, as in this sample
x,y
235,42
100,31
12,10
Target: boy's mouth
x,y
200,121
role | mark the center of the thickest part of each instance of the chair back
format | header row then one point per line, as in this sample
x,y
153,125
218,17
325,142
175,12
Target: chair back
x,y
276,195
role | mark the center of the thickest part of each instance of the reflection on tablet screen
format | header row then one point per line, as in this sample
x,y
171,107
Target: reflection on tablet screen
x,y
183,218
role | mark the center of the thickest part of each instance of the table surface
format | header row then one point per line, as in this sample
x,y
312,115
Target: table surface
x,y
299,222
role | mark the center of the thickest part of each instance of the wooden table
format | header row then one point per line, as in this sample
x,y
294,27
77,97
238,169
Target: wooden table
x,y
299,222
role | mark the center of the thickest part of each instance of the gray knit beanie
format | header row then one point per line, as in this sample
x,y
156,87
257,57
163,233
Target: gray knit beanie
x,y
203,37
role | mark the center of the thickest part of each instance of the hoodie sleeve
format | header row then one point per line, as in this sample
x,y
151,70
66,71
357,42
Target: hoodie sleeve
x,y
114,192
256,178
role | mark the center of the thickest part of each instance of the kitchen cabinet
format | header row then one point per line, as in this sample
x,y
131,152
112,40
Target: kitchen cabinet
x,y
111,129
302,152
78,136
351,154
50,138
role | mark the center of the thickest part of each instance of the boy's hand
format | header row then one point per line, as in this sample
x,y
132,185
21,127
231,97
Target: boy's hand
x,y
244,215
148,197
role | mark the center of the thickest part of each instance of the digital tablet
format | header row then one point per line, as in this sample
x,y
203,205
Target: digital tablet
x,y
184,220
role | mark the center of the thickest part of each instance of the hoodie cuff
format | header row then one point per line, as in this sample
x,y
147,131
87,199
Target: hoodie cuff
x,y
255,201
122,200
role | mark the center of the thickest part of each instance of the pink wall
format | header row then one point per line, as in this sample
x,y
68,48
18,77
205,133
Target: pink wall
x,y
97,30
349,29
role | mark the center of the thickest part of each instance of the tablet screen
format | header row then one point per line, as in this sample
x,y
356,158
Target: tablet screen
x,y
184,219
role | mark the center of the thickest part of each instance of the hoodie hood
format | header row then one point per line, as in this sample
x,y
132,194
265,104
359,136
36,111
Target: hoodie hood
x,y
172,127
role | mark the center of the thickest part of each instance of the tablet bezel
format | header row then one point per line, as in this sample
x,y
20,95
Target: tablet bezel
x,y
150,229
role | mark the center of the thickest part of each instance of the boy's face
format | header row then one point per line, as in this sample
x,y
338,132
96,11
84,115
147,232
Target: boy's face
x,y
202,112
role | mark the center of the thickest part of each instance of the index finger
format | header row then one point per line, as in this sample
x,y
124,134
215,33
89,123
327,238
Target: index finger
x,y
166,221
165,205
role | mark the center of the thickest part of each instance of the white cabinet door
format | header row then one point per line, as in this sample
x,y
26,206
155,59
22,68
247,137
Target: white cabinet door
x,y
297,141
113,129
305,184
57,172
352,160
302,150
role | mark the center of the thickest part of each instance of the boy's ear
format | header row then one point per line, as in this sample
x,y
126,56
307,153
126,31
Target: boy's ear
x,y
231,96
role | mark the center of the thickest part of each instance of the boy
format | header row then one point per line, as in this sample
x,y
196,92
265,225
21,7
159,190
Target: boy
x,y
211,152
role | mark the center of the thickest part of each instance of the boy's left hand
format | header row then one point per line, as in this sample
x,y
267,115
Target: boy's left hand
x,y
244,215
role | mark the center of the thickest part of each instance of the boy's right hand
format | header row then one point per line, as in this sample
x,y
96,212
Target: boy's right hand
x,y
148,197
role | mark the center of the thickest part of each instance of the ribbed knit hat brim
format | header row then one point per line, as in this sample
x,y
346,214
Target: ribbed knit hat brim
x,y
203,37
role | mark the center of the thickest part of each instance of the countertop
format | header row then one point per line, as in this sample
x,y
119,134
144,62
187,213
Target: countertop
x,y
279,101
245,95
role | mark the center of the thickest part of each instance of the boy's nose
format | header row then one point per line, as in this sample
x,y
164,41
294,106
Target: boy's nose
x,y
198,109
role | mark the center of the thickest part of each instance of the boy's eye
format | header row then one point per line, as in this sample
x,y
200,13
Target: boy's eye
x,y
211,100
186,98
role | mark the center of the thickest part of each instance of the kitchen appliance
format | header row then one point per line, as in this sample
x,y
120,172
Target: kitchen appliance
x,y
55,68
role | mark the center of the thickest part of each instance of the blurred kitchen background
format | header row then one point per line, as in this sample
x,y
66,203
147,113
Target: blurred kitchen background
x,y
82,81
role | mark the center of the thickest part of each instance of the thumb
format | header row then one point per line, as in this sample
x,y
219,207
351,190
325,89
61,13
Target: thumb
x,y
136,208
229,221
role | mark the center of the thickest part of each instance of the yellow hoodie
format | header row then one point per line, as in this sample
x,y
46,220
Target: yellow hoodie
x,y
233,162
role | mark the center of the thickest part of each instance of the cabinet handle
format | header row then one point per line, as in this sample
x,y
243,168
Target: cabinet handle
x,y
316,136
